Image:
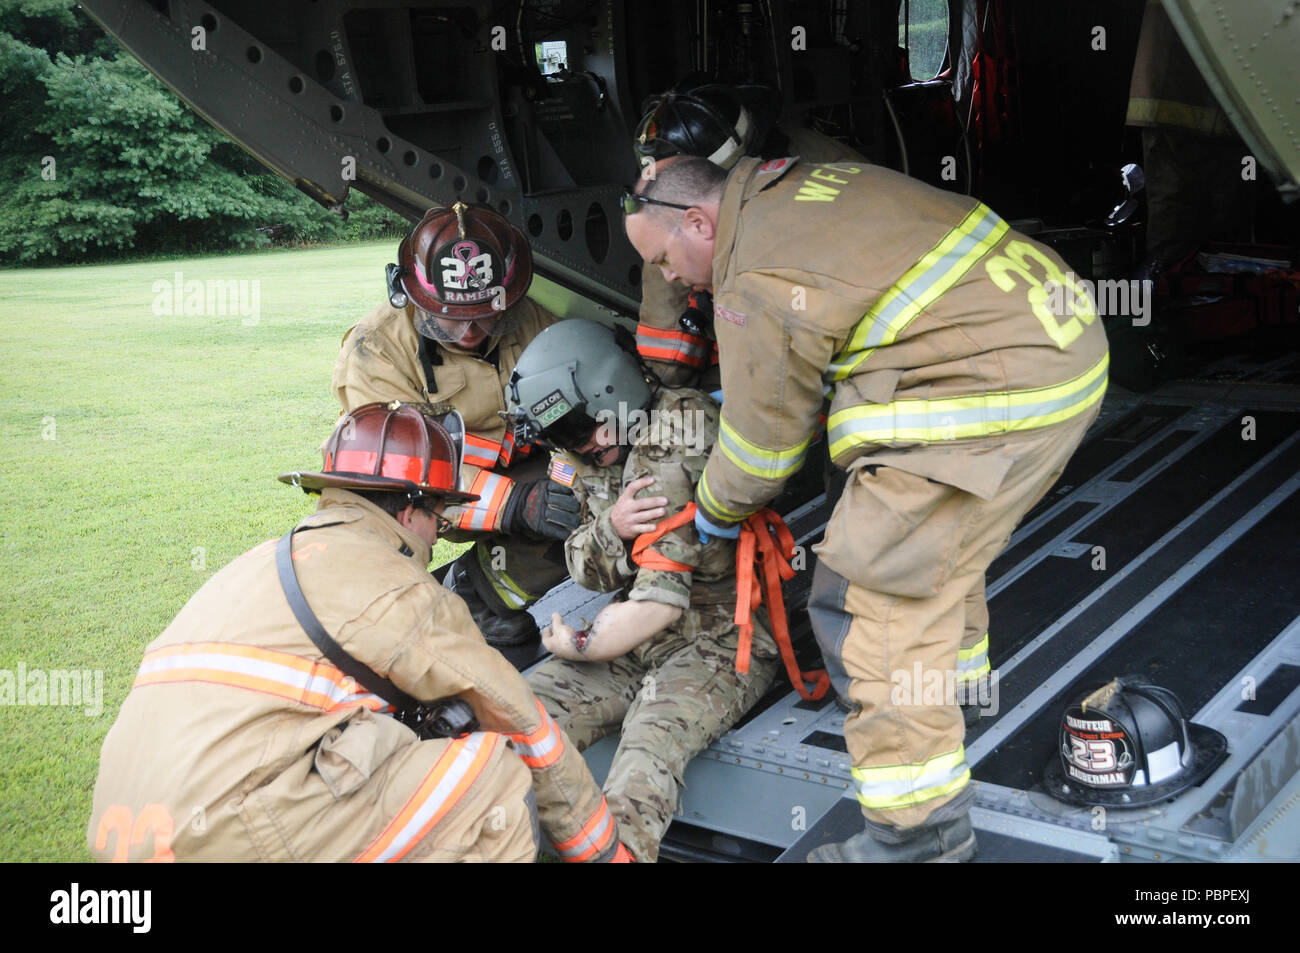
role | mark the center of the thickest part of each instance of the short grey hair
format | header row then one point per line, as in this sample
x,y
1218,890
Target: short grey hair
x,y
689,180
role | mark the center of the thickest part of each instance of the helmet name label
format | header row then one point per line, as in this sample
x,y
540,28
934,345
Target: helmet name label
x,y
550,409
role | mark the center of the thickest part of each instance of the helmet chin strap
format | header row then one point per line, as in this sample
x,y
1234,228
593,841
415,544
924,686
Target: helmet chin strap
x,y
591,459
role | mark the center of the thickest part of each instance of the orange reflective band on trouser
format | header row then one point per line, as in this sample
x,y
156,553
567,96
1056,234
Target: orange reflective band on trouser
x,y
677,347
282,674
485,514
594,838
544,746
622,855
455,771
763,554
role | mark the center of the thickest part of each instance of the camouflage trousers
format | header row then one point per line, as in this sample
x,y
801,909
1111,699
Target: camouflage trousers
x,y
672,697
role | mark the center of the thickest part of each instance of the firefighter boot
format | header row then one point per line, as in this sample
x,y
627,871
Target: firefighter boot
x,y
946,839
512,633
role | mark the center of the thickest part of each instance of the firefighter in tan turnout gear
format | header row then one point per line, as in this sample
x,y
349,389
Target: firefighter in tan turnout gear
x,y
964,366
659,662
323,698
456,323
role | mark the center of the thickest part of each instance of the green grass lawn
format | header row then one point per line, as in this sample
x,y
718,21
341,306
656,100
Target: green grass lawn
x,y
140,454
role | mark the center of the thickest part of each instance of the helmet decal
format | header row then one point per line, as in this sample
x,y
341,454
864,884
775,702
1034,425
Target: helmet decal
x,y
550,409
462,263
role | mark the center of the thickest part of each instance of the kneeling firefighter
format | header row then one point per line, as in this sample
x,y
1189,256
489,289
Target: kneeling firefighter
x,y
322,698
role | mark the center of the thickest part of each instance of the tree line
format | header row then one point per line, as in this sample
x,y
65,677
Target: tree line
x,y
101,160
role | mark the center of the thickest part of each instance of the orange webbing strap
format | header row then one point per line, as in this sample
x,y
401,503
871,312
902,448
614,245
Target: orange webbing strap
x,y
763,556
647,558
765,550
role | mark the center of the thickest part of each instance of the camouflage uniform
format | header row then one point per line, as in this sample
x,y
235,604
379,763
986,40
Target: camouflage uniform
x,y
674,694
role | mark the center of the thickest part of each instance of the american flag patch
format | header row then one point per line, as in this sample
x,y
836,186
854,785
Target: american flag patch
x,y
562,472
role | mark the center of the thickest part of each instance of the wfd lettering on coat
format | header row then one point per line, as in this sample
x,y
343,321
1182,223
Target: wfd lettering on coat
x,y
811,191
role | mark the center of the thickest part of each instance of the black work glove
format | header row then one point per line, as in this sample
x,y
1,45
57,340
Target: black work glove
x,y
541,508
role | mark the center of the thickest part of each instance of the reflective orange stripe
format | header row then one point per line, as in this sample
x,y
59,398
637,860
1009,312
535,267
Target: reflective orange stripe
x,y
510,452
456,769
481,452
543,747
281,674
396,466
485,515
763,555
662,344
594,837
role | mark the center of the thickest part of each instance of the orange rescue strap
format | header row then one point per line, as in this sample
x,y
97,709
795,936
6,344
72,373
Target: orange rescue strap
x,y
763,555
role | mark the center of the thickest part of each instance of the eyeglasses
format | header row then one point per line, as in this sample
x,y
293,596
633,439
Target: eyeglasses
x,y
632,202
443,524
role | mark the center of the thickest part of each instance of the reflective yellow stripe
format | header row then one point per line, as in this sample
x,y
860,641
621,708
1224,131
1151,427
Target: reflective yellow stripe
x,y
759,461
934,275
510,594
905,785
1209,120
932,421
715,509
974,662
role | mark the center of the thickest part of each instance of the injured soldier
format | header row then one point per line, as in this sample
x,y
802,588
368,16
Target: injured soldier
x,y
659,662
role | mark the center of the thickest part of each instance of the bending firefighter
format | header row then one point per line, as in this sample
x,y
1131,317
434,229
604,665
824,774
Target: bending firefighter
x,y
659,661
322,698
957,397
456,323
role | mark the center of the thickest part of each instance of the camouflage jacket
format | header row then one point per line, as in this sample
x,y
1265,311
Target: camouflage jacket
x,y
670,442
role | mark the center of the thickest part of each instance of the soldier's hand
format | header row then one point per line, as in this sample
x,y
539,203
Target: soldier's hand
x,y
560,639
541,508
632,517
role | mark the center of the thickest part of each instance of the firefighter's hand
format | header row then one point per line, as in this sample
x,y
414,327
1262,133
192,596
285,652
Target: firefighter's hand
x,y
632,517
543,509
707,530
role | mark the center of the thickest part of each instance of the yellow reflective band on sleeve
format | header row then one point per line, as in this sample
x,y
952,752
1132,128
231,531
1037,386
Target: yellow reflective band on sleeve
x,y
906,785
759,461
713,508
974,661
933,421
934,275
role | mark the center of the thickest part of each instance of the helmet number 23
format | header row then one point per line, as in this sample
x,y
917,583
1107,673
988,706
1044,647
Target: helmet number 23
x,y
1094,755
457,273
1054,296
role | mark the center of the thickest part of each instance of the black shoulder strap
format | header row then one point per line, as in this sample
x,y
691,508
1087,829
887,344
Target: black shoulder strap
x,y
358,671
429,359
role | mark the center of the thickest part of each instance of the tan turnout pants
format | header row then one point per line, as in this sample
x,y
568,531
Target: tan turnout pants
x,y
893,636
